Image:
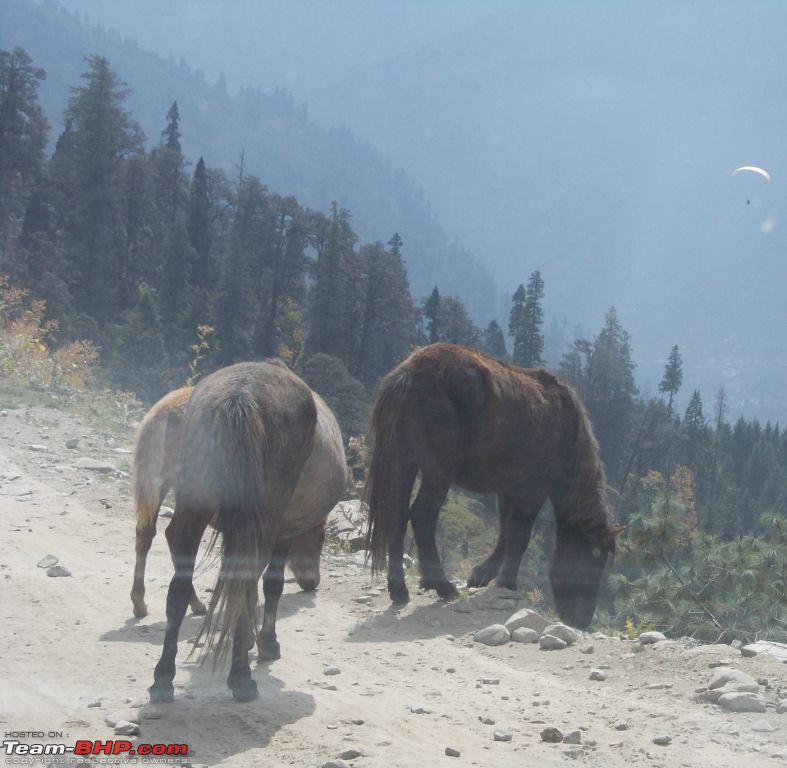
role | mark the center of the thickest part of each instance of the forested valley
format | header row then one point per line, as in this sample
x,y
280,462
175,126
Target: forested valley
x,y
123,260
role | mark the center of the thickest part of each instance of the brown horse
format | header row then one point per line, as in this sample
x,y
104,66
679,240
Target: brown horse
x,y
155,474
458,416
248,437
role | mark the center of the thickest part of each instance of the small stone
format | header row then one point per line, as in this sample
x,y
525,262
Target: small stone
x,y
504,734
529,619
525,635
489,680
487,720
565,633
552,643
72,442
451,752
743,702
552,736
575,737
763,726
495,634
598,674
724,676
717,693
649,638
417,709
57,570
331,671
351,754
94,704
621,725
48,561
662,739
125,728
587,649
93,465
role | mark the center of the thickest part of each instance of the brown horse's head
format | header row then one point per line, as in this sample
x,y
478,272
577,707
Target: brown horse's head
x,y
305,557
578,566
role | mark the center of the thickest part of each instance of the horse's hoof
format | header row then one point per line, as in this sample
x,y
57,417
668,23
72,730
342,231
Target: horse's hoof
x,y
140,610
269,651
198,608
445,589
479,578
161,692
507,584
399,594
245,691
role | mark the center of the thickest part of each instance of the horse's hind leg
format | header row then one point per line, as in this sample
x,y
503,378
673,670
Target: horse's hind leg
x,y
185,547
423,516
197,606
397,589
239,680
272,587
146,531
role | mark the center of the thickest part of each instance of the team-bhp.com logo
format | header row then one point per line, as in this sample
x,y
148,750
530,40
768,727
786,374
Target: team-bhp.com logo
x,y
86,751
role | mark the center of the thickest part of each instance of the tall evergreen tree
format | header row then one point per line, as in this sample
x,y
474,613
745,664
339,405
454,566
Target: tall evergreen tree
x,y
23,135
527,321
673,375
102,135
172,194
493,341
386,319
431,311
199,228
328,326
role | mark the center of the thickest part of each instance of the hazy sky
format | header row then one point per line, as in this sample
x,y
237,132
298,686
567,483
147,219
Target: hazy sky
x,y
592,141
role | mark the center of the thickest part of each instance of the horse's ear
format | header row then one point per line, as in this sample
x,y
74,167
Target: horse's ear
x,y
617,530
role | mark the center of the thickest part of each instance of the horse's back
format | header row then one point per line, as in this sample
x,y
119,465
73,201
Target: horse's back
x,y
483,422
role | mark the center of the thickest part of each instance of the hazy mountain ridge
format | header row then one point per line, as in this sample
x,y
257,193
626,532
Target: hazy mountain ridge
x,y
596,145
268,134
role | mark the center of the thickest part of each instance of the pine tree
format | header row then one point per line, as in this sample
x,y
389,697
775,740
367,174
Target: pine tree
x,y
673,375
493,341
171,196
100,136
199,228
431,311
328,313
23,135
527,321
386,320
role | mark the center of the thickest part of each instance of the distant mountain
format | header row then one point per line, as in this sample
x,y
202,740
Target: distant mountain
x,y
268,133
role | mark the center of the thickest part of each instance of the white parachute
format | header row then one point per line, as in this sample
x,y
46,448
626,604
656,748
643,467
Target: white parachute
x,y
754,169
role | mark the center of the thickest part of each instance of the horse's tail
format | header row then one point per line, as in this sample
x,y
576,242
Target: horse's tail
x,y
237,458
383,489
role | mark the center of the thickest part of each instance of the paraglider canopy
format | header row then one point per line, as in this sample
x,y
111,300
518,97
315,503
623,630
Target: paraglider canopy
x,y
753,168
